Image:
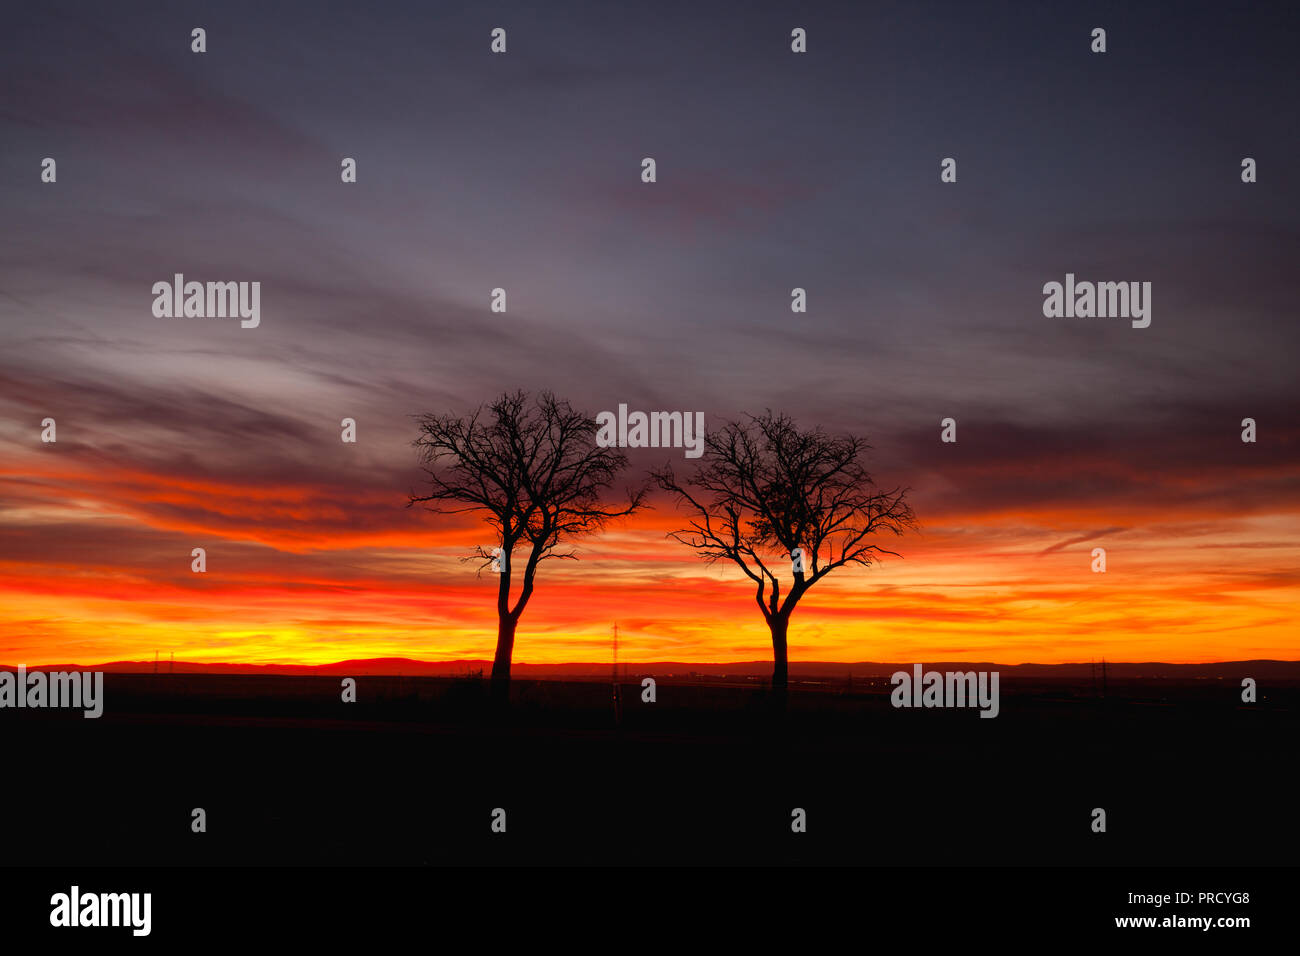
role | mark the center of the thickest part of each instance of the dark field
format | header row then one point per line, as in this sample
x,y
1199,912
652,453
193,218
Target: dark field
x,y
410,774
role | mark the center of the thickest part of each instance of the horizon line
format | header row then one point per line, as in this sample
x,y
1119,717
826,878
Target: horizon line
x,y
485,663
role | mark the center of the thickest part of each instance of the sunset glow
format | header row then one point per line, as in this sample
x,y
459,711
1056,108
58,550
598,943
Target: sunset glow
x,y
96,569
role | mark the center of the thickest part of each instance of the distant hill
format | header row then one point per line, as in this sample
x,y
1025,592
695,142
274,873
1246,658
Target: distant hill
x,y
802,670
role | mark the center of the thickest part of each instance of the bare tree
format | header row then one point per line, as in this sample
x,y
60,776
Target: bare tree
x,y
764,489
535,473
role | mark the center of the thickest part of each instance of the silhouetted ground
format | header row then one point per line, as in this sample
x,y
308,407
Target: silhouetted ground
x,y
410,774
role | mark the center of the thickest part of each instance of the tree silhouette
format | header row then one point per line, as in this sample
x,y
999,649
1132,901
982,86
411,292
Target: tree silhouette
x,y
764,488
534,471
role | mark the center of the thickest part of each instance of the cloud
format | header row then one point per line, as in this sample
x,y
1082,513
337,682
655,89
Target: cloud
x,y
1090,536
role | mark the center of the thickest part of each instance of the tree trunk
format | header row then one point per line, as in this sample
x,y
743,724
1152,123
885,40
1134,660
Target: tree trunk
x,y
781,665
501,663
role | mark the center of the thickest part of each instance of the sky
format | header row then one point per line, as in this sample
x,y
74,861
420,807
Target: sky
x,y
522,171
